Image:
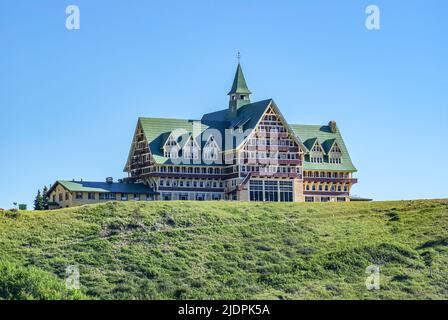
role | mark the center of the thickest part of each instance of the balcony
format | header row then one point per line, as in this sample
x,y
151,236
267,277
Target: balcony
x,y
271,161
272,148
276,174
297,162
192,175
329,180
326,193
268,134
191,189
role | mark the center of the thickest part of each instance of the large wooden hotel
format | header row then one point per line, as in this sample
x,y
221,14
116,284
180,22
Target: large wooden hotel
x,y
245,152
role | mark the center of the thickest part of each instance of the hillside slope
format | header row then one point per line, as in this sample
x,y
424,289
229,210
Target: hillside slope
x,y
222,250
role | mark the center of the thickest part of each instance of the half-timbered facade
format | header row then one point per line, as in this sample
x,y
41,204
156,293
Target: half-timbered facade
x,y
247,152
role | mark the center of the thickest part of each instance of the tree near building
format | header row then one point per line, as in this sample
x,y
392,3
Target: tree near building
x,y
39,201
45,197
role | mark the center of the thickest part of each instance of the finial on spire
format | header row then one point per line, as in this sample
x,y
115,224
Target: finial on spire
x,y
238,56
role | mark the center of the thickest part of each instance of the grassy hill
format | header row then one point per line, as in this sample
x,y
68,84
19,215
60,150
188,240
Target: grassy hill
x,y
211,250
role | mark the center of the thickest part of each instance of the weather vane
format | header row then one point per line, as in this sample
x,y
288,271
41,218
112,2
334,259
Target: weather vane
x,y
238,56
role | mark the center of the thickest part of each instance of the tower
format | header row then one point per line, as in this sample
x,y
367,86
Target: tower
x,y
239,94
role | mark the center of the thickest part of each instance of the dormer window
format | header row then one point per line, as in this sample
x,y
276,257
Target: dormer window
x,y
335,154
174,153
171,148
211,149
191,149
317,153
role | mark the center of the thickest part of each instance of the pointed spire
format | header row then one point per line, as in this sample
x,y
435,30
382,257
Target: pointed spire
x,y
239,83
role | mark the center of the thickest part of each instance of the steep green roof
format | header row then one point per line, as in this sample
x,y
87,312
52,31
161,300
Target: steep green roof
x,y
157,131
311,133
309,143
103,187
239,83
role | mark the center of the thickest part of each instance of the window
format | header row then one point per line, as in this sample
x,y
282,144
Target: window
x,y
60,197
183,196
331,159
200,196
316,159
285,189
141,144
67,196
166,196
271,191
174,153
256,190
309,199
78,195
325,199
340,199
108,196
210,153
91,196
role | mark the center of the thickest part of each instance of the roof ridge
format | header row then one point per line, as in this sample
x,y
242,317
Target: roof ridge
x,y
160,118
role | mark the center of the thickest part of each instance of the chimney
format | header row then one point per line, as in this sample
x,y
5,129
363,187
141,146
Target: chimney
x,y
332,125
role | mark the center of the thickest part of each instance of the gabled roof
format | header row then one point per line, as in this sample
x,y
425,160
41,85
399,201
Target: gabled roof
x,y
185,138
239,83
328,144
325,137
157,131
310,143
102,187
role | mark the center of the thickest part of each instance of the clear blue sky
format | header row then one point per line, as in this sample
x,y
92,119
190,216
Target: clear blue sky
x,y
69,100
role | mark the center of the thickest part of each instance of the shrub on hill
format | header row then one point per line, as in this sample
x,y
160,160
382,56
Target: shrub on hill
x,y
19,283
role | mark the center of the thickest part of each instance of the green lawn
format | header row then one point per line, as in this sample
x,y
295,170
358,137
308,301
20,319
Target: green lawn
x,y
223,250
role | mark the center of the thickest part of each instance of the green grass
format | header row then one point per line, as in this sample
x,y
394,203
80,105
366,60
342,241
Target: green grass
x,y
223,250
